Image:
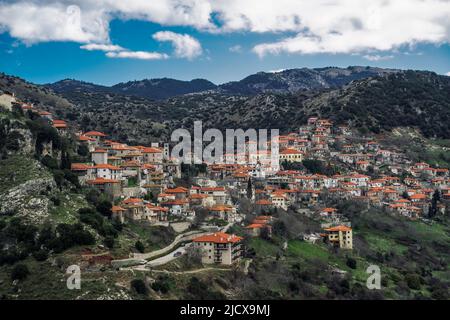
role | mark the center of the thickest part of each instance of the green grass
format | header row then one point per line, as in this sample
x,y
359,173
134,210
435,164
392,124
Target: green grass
x,y
153,237
49,282
382,244
434,231
19,169
67,211
307,250
263,248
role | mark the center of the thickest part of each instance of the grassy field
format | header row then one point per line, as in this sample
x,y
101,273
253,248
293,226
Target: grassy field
x,y
264,248
17,170
67,210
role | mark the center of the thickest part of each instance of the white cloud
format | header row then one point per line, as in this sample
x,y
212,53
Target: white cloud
x,y
377,57
41,22
236,49
448,74
319,26
101,47
143,55
344,26
184,45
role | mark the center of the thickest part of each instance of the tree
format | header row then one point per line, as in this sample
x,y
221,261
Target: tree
x,y
432,211
280,229
351,263
40,255
109,242
65,160
249,189
162,284
139,246
413,281
19,272
138,285
104,207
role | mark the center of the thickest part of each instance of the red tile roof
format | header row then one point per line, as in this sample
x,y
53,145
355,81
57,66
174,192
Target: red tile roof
x,y
218,237
95,134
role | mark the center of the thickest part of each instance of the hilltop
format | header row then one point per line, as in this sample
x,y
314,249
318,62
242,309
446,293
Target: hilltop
x,y
286,81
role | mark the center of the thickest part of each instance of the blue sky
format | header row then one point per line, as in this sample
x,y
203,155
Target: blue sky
x,y
230,53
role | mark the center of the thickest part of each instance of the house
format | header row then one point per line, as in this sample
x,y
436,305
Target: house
x,y
99,156
362,165
291,155
178,207
179,192
106,171
60,125
258,224
110,187
152,155
340,236
7,100
327,212
135,208
96,135
220,248
279,200
224,212
118,213
217,193
154,213
46,114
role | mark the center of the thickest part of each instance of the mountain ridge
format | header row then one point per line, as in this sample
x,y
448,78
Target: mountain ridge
x,y
285,81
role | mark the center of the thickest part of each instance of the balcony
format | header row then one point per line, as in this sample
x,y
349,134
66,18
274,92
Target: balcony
x,y
221,247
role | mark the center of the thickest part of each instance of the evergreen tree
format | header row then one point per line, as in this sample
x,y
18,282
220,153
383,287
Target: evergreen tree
x,y
432,211
249,189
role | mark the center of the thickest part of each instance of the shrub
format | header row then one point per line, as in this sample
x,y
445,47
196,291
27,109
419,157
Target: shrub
x,y
49,162
413,281
19,272
138,285
40,255
109,242
197,289
104,207
139,246
351,263
162,284
56,201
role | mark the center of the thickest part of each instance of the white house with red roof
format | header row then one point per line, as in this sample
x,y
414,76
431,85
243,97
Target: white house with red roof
x,y
219,248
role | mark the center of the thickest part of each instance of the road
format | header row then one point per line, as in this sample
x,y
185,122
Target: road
x,y
168,257
139,258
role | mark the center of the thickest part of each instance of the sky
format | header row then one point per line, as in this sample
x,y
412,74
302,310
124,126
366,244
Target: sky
x,y
112,41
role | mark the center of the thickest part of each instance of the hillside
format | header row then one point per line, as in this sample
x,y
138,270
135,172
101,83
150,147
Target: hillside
x,y
154,89
402,99
39,95
286,81
294,80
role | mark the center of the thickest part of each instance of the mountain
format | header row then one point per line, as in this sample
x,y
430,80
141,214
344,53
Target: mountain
x,y
69,85
164,88
287,81
418,99
155,89
294,80
415,99
39,95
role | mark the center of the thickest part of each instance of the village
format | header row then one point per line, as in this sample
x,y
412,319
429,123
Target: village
x,y
319,164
